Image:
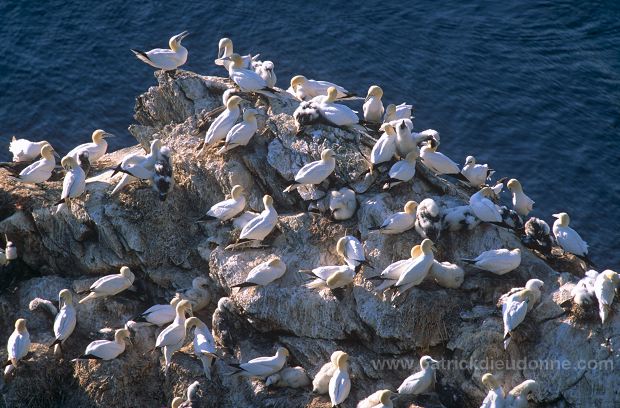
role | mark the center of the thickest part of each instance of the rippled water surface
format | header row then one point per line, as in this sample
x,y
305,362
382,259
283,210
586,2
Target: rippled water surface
x,y
533,89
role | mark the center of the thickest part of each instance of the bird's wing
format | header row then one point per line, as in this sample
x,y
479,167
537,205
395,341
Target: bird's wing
x,y
223,207
354,250
112,285
394,270
514,312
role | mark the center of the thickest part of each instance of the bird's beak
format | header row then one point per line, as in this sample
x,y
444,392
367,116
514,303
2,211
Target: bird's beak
x,y
434,361
555,215
226,59
367,98
108,135
182,35
55,153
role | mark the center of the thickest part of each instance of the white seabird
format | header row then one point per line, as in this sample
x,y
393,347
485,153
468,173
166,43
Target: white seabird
x,y
495,396
163,178
422,381
340,383
437,162
172,337
65,320
315,172
568,238
517,397
241,133
458,218
41,170
106,349
402,171
373,107
351,250
259,227
73,185
447,274
320,383
535,285
158,314
428,219
266,71
400,221
305,89
264,273
483,208
230,208
96,149
385,147
497,261
514,310
263,367
166,59
521,202
198,295
289,377
204,343
378,399
336,113
605,287
24,150
18,345
405,141
110,285
332,277
225,49
477,174
342,203
224,122
135,165
584,291
247,80
399,112
418,268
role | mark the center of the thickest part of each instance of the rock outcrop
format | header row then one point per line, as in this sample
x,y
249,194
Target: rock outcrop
x,y
570,355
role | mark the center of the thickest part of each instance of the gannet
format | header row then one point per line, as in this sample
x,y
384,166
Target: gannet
x,y
172,337
521,202
158,314
447,274
340,383
537,235
428,219
264,273
176,402
262,367
84,161
18,345
535,285
230,208
266,71
332,277
495,396
106,349
315,172
421,381
379,399
483,208
308,113
405,141
198,295
477,174
568,238
437,162
261,226
373,107
192,396
110,285
342,203
305,89
137,165
41,170
241,133
24,150
398,112
163,179
605,287
517,397
402,171
246,80
204,344
166,59
514,309
418,268
320,383
225,49
65,320
289,377
497,261
73,185
400,221
224,122
96,149
458,218
352,251
392,273
385,147
583,291
510,219
336,113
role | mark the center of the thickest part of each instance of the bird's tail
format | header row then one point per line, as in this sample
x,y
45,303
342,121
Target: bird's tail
x,y
292,187
468,261
141,55
603,312
90,296
244,285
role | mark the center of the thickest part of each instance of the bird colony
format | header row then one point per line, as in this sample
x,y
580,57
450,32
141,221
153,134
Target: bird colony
x,y
393,160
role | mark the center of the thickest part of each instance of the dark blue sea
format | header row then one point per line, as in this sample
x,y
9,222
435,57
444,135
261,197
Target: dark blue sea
x,y
530,87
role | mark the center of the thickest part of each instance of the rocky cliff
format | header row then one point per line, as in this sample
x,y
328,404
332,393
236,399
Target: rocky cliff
x,y
166,248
